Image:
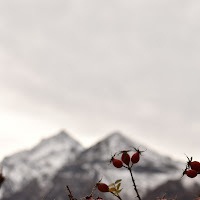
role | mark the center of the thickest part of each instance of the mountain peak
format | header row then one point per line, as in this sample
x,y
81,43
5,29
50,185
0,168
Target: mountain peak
x,y
109,145
42,161
60,135
62,138
115,135
118,139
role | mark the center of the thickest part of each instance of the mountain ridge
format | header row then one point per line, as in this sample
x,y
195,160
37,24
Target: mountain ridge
x,y
89,165
41,161
93,163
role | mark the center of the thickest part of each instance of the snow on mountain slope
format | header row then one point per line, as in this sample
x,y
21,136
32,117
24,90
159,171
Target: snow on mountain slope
x,y
90,165
93,164
40,162
152,170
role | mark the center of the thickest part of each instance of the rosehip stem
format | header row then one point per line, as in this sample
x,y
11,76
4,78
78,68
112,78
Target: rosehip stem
x,y
135,187
116,195
70,194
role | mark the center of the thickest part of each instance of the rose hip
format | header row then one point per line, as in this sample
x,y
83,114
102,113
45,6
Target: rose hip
x,y
125,158
102,187
191,173
195,165
135,157
117,163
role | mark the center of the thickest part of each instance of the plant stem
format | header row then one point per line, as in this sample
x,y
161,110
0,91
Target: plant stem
x,y
135,187
116,195
70,194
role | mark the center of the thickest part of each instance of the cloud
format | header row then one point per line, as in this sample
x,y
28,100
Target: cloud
x,y
103,65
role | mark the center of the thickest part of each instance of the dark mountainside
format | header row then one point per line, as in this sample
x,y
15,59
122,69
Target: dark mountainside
x,y
174,188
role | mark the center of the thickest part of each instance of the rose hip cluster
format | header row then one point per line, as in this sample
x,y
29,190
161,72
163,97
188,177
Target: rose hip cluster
x,y
127,162
125,159
192,168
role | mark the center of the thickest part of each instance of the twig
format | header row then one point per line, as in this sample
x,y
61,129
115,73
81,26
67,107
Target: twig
x,y
70,194
135,187
91,194
116,195
93,189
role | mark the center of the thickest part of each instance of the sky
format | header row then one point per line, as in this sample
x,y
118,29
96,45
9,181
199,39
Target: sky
x,y
96,67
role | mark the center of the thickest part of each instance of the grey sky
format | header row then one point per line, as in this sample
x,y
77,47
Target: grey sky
x,y
93,67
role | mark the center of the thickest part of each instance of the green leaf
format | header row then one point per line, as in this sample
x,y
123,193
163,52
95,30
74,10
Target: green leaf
x,y
118,191
111,184
117,181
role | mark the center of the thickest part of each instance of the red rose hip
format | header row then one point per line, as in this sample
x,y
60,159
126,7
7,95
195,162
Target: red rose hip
x,y
125,158
195,165
191,173
135,157
117,163
102,187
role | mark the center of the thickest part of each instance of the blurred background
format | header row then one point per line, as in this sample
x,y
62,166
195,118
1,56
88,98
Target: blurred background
x,y
94,67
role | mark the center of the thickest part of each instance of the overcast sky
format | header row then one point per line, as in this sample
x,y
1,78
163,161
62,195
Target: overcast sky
x,y
94,67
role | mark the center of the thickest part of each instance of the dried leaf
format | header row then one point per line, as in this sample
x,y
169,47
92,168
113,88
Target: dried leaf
x,y
118,186
112,189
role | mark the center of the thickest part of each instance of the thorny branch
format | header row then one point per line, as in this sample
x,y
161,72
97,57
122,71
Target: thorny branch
x,y
71,197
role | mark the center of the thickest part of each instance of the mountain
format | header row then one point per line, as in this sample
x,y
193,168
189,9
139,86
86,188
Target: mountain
x,y
93,164
39,164
155,174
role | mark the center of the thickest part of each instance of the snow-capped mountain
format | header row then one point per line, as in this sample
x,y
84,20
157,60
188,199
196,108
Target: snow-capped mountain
x,y
40,163
49,169
93,164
